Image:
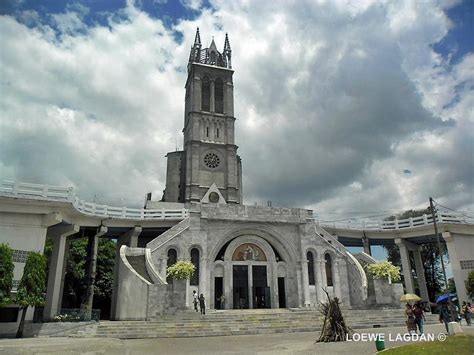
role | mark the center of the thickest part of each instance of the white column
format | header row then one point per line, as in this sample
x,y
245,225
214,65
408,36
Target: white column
x,y
337,280
63,273
229,296
304,270
130,239
59,235
406,266
420,273
455,248
366,245
250,293
319,281
203,285
324,280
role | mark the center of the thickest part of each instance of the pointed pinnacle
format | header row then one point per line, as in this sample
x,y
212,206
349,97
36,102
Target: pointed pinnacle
x,y
197,39
226,43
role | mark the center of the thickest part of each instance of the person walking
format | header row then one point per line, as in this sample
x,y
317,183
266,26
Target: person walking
x,y
410,318
445,315
202,304
195,300
419,316
466,312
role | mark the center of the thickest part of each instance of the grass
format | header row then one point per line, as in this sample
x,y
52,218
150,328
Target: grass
x,y
459,344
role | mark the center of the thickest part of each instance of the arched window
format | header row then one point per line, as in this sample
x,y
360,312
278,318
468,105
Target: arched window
x,y
219,96
206,95
213,57
310,258
172,258
194,281
327,257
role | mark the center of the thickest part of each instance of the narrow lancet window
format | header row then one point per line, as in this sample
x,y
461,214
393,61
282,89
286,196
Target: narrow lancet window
x,y
194,281
328,260
310,258
219,96
206,95
172,258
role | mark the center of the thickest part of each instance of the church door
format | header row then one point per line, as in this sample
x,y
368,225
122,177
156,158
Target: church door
x,y
240,286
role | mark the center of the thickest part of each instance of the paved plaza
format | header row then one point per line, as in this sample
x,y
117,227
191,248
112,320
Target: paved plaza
x,y
288,343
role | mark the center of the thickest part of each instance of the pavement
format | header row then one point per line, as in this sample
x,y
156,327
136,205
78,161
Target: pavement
x,y
283,343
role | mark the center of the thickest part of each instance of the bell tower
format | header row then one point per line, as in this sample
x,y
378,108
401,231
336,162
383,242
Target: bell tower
x,y
209,160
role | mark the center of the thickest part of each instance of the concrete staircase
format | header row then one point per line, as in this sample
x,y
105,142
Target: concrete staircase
x,y
240,322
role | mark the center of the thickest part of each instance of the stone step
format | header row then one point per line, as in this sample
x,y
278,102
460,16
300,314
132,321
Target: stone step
x,y
222,323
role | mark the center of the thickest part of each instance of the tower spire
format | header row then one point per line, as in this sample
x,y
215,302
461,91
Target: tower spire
x,y
227,52
226,43
197,39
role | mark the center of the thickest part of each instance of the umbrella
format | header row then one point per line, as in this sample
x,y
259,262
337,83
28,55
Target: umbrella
x,y
410,297
446,297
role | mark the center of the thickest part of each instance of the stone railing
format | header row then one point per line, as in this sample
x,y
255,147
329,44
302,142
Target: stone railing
x,y
256,213
67,194
170,234
336,244
425,219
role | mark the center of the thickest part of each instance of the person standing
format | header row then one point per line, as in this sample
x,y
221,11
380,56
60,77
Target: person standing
x,y
195,300
222,301
419,316
202,304
466,312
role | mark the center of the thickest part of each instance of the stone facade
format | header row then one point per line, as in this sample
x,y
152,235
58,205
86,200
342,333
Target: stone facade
x,y
210,154
246,256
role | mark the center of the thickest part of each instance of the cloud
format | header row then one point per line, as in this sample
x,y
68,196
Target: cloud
x,y
332,102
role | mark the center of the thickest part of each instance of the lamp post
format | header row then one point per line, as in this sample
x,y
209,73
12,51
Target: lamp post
x,y
438,242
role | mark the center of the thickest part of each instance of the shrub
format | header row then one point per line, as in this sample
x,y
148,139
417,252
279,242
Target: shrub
x,y
470,284
6,273
384,270
32,286
182,270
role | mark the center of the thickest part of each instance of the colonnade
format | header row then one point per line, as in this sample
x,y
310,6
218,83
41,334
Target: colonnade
x,y
320,279
61,236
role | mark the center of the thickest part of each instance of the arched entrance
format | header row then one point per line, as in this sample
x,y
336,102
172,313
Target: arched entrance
x,y
248,276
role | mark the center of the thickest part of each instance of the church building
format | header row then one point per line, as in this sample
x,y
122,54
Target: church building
x,y
245,256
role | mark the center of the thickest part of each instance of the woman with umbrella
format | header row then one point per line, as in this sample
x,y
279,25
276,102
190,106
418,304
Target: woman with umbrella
x,y
410,315
410,321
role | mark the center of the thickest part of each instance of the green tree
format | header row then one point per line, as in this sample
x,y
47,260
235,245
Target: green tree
x,y
470,284
75,283
429,255
32,286
6,273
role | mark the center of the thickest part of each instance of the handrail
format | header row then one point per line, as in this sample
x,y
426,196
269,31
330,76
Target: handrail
x,y
171,233
411,222
339,247
67,194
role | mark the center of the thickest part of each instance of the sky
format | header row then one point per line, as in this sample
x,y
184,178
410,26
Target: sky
x,y
349,108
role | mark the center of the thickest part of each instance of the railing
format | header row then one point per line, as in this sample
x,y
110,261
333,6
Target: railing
x,y
67,194
339,247
425,219
168,235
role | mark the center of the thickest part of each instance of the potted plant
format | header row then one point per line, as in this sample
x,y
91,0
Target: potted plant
x,y
384,270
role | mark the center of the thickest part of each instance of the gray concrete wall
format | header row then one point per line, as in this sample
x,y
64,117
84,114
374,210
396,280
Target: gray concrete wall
x,y
23,232
461,256
132,292
386,293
